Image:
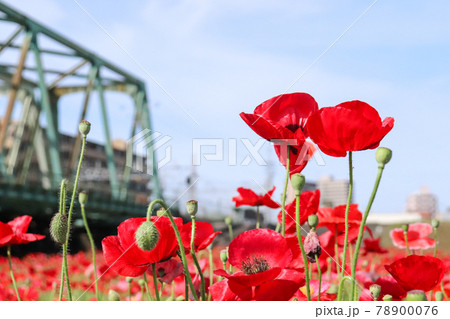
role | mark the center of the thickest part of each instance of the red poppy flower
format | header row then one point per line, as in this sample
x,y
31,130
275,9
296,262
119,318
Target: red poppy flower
x,y
389,286
417,236
314,290
417,272
282,120
167,270
281,288
15,232
349,126
372,245
309,205
259,254
247,197
124,256
204,235
334,220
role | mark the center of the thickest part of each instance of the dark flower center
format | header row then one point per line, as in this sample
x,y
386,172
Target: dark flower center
x,y
255,264
293,127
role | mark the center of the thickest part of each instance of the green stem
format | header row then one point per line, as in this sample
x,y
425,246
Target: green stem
x,y
194,258
277,228
257,217
146,288
361,228
230,231
211,269
336,248
283,197
172,293
69,217
11,273
347,209
320,276
341,287
186,290
180,242
155,281
405,233
62,210
300,243
435,241
129,291
91,240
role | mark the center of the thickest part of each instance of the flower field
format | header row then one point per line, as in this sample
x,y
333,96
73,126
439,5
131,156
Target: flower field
x,y
314,253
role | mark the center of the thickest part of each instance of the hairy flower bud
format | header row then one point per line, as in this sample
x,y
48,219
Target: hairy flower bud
x,y
224,255
312,246
439,296
161,212
58,228
147,236
192,207
141,283
375,291
129,279
228,221
416,295
405,228
313,221
84,127
297,182
113,295
383,156
82,198
387,298
435,223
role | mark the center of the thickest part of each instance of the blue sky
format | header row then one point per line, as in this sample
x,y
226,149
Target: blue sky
x,y
220,58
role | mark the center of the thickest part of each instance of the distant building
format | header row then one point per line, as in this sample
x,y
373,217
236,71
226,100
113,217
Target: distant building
x,y
423,203
332,192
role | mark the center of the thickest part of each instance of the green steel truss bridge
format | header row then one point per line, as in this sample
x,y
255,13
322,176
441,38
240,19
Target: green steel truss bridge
x,y
35,91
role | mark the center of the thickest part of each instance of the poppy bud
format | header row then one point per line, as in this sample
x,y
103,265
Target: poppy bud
x,y
313,221
141,283
84,127
224,256
312,246
58,228
435,223
439,296
405,228
129,279
365,263
113,295
228,221
297,182
375,291
383,156
192,207
161,212
416,295
387,298
82,198
147,236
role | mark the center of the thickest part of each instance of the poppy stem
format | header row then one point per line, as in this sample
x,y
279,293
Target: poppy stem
x,y
283,197
129,291
320,276
194,258
361,228
180,242
8,251
155,281
405,233
91,241
172,292
211,268
257,217
341,287
443,290
62,210
186,289
336,248
146,287
435,241
300,243
347,209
